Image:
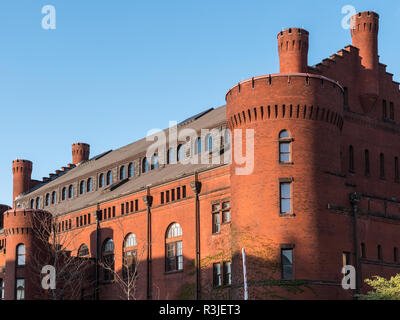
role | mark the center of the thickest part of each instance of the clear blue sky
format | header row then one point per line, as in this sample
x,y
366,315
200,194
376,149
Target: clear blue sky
x,y
112,70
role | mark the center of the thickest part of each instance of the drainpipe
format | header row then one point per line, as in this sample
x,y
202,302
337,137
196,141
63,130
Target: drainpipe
x,y
98,230
355,200
148,201
196,187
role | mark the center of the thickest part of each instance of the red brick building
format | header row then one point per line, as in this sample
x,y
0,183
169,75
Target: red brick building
x,y
324,191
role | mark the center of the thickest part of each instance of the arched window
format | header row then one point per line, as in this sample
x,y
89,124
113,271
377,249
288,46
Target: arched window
x,y
171,156
1,289
145,165
131,170
180,152
154,161
198,146
173,248
285,147
109,177
227,139
20,255
108,259
89,185
351,159
33,204
71,192
54,197
122,173
64,193
37,203
101,180
130,254
47,200
382,166
82,187
83,251
209,142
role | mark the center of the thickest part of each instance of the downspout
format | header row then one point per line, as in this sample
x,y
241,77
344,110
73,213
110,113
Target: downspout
x,y
196,187
97,271
355,200
148,201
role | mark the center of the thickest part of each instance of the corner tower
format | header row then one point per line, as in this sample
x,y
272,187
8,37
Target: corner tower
x,y
22,171
293,50
80,152
364,33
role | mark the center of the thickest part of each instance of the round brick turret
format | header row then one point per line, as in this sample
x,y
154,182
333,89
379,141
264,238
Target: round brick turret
x,y
309,108
364,33
22,171
293,50
23,227
80,152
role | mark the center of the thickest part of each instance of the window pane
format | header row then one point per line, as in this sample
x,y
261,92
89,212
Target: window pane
x,y
284,147
284,134
285,190
284,157
287,256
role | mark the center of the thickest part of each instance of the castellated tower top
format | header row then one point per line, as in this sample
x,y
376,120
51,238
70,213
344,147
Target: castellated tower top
x,y
22,170
80,152
293,50
364,33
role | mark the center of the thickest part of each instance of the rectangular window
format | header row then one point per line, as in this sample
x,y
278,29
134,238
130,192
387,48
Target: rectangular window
x,y
167,196
346,259
379,252
162,198
226,212
85,220
122,208
184,192
113,211
287,264
217,277
20,289
384,110
285,197
391,108
127,207
173,195
136,205
174,254
227,273
363,255
366,155
131,206
178,193
284,152
216,217
89,215
395,254
77,222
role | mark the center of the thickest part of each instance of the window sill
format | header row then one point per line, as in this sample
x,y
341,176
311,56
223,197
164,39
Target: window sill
x,y
287,215
173,272
286,163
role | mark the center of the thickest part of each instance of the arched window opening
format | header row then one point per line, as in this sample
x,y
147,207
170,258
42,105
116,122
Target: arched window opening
x,y
173,248
101,180
131,169
64,193
145,165
285,147
130,255
47,201
71,191
33,204
171,156
180,153
21,255
108,260
154,162
198,146
54,197
89,185
82,187
37,203
209,142
109,177
83,251
122,173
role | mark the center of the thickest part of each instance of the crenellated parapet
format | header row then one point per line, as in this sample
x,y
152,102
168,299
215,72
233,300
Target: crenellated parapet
x,y
285,96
